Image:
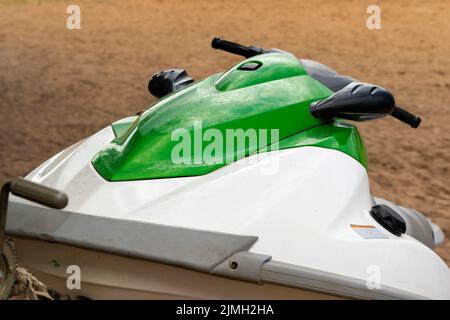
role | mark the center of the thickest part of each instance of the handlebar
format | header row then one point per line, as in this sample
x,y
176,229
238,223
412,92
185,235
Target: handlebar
x,y
236,48
38,193
250,51
31,191
406,117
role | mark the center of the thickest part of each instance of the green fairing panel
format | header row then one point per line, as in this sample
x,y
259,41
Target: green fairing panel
x,y
340,136
275,96
274,67
120,127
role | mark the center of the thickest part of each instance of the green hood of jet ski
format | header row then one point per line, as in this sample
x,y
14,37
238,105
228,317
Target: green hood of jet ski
x,y
276,96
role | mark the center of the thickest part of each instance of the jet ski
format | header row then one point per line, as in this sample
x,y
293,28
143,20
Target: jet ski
x,y
248,184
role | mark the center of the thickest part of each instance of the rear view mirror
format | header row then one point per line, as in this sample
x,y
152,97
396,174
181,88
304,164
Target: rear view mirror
x,y
357,101
168,81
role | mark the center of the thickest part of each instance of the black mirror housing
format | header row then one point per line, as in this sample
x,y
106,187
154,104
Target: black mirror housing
x,y
357,101
168,81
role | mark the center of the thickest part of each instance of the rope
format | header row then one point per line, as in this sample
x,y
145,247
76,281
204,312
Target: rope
x,y
28,287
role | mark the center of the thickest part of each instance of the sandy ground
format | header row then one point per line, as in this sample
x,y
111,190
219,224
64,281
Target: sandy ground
x,y
58,86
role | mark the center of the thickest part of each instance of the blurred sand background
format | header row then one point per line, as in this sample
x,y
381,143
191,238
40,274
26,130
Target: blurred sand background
x,y
58,86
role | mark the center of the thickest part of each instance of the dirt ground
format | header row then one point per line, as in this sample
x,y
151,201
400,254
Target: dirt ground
x,y
58,85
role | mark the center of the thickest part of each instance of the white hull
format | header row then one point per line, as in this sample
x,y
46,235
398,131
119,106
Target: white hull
x,y
106,276
296,207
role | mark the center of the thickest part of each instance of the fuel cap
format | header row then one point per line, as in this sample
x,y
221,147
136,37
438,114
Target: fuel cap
x,y
389,219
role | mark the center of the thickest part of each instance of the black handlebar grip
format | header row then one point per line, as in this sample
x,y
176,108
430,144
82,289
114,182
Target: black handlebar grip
x,y
236,48
38,193
406,117
231,47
